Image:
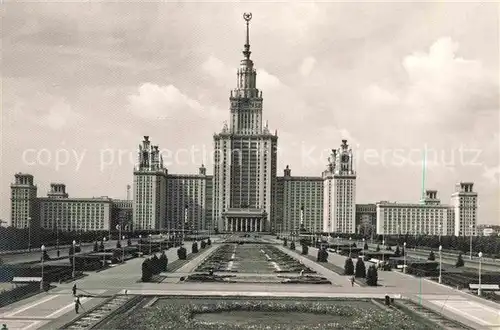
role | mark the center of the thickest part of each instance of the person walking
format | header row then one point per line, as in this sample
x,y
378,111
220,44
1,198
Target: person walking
x,y
78,304
352,280
74,289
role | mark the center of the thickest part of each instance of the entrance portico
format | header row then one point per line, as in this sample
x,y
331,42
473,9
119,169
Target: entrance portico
x,y
244,220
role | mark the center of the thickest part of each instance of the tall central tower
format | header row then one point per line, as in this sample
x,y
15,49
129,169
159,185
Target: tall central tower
x,y
245,157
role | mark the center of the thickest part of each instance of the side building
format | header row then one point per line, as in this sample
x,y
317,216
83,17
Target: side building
x,y
24,203
189,201
150,189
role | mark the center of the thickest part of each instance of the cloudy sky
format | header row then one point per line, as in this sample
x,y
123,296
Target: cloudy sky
x,y
83,82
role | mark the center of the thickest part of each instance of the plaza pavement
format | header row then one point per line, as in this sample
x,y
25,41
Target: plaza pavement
x,y
48,310
456,304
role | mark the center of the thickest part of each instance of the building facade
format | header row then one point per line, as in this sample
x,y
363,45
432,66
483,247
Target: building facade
x,y
430,217
24,203
245,157
366,219
150,188
339,191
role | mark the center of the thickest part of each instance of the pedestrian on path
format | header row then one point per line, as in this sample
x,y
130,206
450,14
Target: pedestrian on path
x,y
78,304
352,280
74,289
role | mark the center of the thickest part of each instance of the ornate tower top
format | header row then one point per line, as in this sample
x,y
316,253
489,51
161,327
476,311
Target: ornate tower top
x,y
247,17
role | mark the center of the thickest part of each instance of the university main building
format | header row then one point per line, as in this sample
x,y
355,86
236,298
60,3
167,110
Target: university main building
x,y
245,193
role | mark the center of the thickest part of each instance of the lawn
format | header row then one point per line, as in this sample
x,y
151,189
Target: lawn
x,y
272,313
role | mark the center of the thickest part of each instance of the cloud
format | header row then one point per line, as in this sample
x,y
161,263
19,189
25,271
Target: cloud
x,y
60,115
492,174
307,66
158,102
267,81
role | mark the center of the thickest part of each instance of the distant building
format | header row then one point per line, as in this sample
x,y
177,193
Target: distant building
x,y
122,214
189,201
24,204
150,189
464,203
339,189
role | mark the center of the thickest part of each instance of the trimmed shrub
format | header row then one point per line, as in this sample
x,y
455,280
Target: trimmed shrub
x,y
305,249
460,261
431,257
372,276
101,246
118,244
96,247
366,246
194,247
378,248
147,274
203,244
360,268
181,253
129,242
322,255
292,245
163,262
155,265
209,242
285,242
348,267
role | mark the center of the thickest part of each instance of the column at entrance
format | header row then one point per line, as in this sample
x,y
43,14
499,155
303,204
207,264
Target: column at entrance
x,y
232,224
246,224
254,222
260,224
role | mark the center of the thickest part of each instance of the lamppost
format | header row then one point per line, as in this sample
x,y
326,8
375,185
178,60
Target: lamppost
x,y
404,257
123,249
150,244
440,263
470,233
104,252
350,249
43,250
185,222
363,243
74,250
29,234
439,228
383,250
161,238
140,251
57,236
480,260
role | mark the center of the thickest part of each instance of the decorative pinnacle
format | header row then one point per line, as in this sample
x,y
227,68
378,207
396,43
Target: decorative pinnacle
x,y
247,17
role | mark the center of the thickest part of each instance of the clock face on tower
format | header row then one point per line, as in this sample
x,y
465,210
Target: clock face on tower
x,y
345,158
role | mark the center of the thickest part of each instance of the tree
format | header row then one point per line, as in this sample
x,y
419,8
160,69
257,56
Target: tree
x,y
155,265
366,246
118,244
322,255
101,247
460,261
378,248
397,253
96,247
147,274
129,242
431,257
360,268
203,244
403,252
194,248
292,245
372,276
209,242
354,245
348,267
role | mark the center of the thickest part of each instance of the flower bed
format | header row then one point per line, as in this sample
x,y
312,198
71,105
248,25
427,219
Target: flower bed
x,y
215,313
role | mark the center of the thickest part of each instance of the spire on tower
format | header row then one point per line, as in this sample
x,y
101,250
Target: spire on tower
x,y
247,17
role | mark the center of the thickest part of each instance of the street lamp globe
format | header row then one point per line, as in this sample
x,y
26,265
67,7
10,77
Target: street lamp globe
x,y
440,248
480,254
123,237
42,248
74,242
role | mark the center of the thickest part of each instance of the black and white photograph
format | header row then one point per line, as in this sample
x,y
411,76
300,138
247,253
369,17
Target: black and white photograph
x,y
249,165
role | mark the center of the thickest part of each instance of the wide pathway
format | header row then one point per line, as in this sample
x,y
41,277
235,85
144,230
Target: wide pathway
x,y
41,309
458,304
